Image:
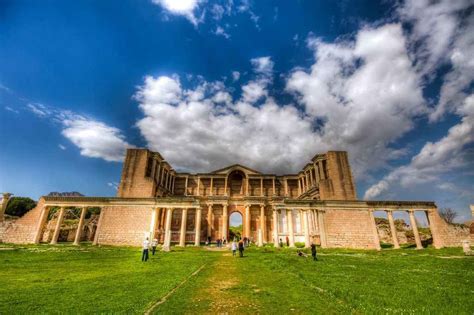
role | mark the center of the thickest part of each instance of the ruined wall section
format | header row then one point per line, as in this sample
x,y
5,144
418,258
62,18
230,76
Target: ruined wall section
x,y
23,230
349,229
445,234
336,181
126,225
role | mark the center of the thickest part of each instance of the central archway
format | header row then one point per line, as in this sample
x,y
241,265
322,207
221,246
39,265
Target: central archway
x,y
235,226
236,183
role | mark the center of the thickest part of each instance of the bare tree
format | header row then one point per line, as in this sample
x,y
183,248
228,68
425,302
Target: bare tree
x,y
448,214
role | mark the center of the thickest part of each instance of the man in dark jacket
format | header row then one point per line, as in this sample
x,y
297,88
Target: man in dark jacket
x,y
241,248
313,252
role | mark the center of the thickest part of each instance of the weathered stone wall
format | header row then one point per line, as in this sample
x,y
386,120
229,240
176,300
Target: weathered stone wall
x,y
340,184
125,225
349,228
445,234
23,230
133,182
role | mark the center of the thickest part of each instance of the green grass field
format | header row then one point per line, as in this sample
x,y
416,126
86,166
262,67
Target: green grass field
x,y
86,279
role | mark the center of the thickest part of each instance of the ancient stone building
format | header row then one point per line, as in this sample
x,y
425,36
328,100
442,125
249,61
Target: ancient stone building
x,y
318,204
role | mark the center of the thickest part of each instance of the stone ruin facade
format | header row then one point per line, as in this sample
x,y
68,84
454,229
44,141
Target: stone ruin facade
x,y
316,205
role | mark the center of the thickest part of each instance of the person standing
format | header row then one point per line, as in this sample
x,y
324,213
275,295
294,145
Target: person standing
x,y
146,245
241,248
234,248
313,251
287,242
154,243
281,243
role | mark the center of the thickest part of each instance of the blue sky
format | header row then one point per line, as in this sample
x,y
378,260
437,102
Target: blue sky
x,y
264,83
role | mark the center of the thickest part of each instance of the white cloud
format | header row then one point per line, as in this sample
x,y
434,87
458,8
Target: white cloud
x,y
365,92
435,158
93,138
221,32
442,34
235,75
8,108
62,147
180,7
263,65
254,91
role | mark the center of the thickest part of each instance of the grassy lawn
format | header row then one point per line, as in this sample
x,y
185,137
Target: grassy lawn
x,y
88,279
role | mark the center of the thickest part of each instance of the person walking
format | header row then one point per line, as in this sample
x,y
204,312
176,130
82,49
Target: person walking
x,y
313,251
234,248
146,245
281,243
154,243
241,249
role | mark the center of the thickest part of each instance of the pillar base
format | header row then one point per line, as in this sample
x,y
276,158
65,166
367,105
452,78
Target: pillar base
x,y
165,249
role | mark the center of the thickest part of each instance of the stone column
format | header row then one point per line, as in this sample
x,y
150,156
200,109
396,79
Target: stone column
x,y
307,181
167,242
289,219
322,229
186,186
261,186
393,229
209,220
273,186
41,222
58,226
197,234
246,186
431,217
80,226
307,241
263,223
275,228
198,186
247,221
415,229
321,170
374,230
299,186
225,186
184,221
154,217
99,225
286,187
212,187
225,219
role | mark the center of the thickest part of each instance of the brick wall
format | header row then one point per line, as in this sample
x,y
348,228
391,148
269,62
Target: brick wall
x,y
448,235
349,228
340,184
23,230
133,182
125,225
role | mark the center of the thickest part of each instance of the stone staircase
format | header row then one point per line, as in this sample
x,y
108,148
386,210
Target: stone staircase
x,y
22,230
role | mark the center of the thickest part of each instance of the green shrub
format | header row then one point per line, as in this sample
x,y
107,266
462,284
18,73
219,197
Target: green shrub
x,y
299,244
18,206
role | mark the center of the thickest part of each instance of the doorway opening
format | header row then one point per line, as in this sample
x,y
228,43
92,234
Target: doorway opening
x,y
235,226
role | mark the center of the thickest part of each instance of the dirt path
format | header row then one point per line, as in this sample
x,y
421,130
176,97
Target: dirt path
x,y
224,288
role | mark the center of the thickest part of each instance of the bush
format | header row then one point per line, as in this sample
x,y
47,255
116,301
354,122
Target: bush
x,y
299,244
18,206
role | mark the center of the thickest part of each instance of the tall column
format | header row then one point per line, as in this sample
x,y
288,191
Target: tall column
x,y
198,186
316,172
286,187
247,221
299,186
307,241
262,225
58,226
415,229
184,221
321,170
80,226
307,181
197,225
275,228
99,226
430,216
154,218
225,186
42,221
261,186
167,242
246,186
322,229
186,186
212,187
225,219
273,186
393,230
374,230
209,220
289,219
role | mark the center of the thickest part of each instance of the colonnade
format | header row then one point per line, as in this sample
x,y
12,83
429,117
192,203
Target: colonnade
x,y
59,221
393,230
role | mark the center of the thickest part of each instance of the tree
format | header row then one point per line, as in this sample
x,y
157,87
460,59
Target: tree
x,y
448,214
18,206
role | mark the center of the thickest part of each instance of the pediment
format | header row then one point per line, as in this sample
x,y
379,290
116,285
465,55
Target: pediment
x,y
228,169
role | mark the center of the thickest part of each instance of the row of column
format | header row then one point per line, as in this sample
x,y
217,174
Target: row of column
x,y
393,230
163,176
57,229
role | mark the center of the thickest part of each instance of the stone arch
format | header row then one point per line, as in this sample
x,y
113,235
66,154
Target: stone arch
x,y
236,182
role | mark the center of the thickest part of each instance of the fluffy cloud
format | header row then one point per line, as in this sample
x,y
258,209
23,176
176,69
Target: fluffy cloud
x,y
221,32
180,7
435,158
366,93
263,65
93,138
